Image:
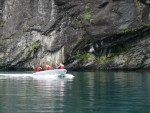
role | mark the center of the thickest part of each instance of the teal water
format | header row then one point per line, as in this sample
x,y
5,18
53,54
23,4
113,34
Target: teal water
x,y
88,92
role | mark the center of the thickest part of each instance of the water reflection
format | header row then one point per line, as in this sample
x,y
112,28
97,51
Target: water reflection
x,y
51,86
30,95
52,92
115,92
88,92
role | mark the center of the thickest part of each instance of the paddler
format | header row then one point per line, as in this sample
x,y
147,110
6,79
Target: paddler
x,y
38,69
48,67
60,66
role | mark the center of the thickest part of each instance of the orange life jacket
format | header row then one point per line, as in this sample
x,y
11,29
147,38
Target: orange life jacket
x,y
48,67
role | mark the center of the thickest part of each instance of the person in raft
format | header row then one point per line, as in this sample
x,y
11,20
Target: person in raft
x,y
48,67
38,69
59,66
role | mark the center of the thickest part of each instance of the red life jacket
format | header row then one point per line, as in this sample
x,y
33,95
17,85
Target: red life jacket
x,y
62,67
38,69
50,68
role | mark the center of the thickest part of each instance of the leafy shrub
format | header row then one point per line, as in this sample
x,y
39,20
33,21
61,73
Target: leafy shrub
x,y
84,57
87,7
2,23
104,60
36,46
88,17
27,55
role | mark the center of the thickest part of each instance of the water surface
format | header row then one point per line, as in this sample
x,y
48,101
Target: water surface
x,y
87,92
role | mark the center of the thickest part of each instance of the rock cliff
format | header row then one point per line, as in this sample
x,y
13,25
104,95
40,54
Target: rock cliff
x,y
84,34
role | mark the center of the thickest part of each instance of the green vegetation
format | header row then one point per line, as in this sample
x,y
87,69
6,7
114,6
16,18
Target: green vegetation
x,y
84,57
88,17
2,23
127,60
146,25
138,9
104,60
27,56
135,29
80,24
130,30
87,7
111,58
36,46
121,50
139,17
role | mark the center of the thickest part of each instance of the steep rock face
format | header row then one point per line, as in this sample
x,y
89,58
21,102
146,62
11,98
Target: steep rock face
x,y
99,34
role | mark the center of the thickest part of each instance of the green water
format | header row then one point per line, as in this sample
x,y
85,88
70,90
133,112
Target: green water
x,y
88,92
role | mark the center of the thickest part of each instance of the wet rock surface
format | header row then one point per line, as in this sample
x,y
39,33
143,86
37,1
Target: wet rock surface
x,y
84,34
